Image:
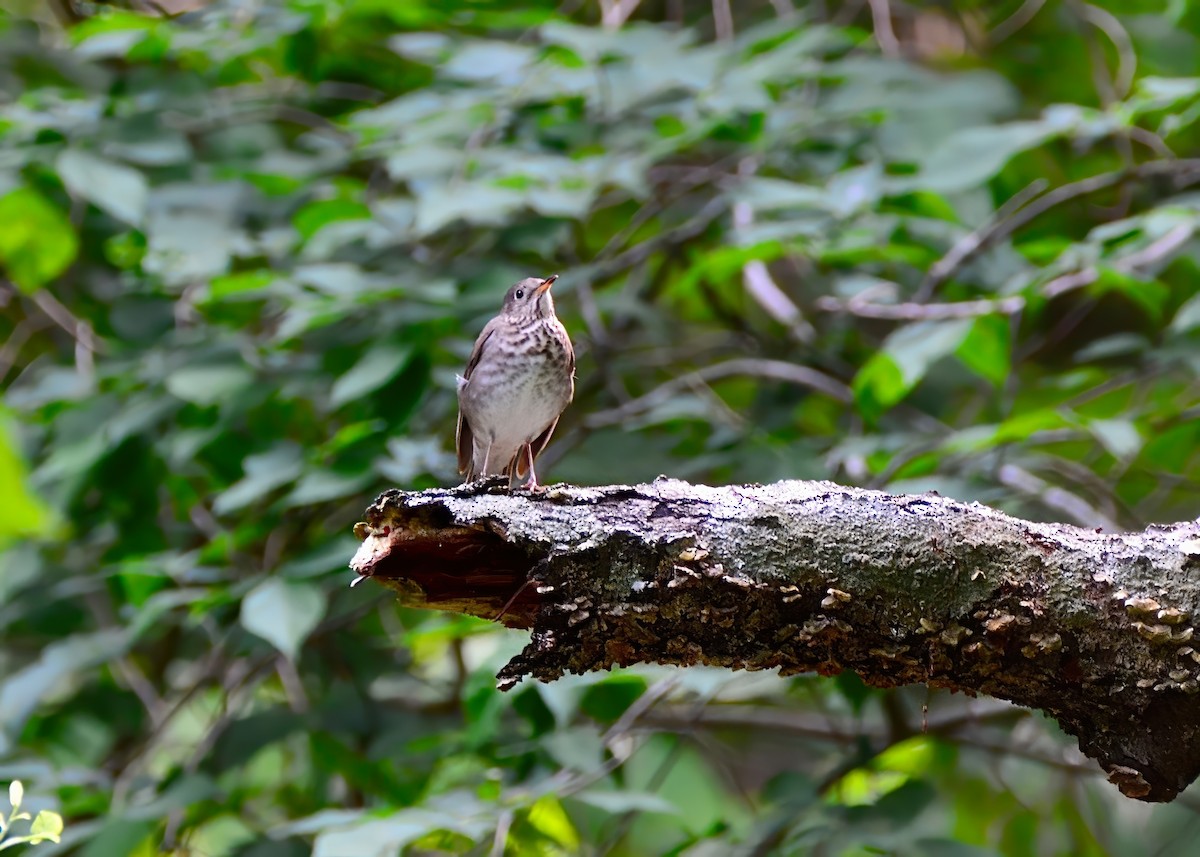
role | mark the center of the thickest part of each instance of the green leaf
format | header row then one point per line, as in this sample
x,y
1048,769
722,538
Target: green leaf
x,y
968,158
315,215
878,385
1187,317
1120,437
112,187
918,346
37,242
263,474
46,826
620,802
608,699
24,514
1151,295
238,285
906,356
206,385
283,613
987,348
21,691
549,819
374,369
386,836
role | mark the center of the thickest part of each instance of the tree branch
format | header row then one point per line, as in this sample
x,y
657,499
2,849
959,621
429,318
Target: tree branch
x,y
1092,628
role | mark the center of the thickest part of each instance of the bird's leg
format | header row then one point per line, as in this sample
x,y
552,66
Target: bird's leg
x,y
487,453
532,484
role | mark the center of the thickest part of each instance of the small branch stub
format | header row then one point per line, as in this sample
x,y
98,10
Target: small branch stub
x,y
1094,629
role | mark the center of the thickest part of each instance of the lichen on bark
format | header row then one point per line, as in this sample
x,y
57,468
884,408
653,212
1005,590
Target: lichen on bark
x,y
1093,628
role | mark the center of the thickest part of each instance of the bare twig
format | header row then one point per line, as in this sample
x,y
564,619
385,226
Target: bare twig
x,y
1150,140
923,312
1185,172
974,241
757,279
639,253
1107,23
680,185
500,840
293,687
86,344
11,349
885,35
722,20
614,13
1157,251
1053,497
777,370
1014,22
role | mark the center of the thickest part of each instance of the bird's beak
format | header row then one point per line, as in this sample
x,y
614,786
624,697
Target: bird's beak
x,y
546,284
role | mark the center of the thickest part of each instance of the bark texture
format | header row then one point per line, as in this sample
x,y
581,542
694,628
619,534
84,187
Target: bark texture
x,y
1093,628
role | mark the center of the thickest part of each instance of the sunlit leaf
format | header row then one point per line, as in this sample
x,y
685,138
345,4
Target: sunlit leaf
x,y
902,363
548,818
986,349
24,514
46,825
37,242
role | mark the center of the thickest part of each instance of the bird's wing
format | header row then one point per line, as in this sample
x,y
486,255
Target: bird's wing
x,y
480,343
464,439
464,442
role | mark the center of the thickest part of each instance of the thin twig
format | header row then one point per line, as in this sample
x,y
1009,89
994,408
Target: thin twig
x,y
885,36
1018,19
1055,498
614,13
1156,251
975,240
86,344
722,20
757,279
1107,23
777,370
1151,141
683,233
1187,172
11,349
500,840
923,312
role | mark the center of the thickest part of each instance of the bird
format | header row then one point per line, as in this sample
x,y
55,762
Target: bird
x,y
518,381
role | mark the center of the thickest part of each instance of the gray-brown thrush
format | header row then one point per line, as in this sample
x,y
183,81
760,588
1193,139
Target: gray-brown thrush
x,y
519,380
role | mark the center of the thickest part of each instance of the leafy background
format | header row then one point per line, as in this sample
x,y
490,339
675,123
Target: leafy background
x,y
246,246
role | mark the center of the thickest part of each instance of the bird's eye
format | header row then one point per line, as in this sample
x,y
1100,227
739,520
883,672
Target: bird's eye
x,y
520,293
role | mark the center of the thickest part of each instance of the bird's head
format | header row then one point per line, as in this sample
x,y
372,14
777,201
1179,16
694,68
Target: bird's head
x,y
530,298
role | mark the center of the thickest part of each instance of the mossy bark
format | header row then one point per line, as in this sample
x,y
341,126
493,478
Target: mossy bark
x,y
1093,628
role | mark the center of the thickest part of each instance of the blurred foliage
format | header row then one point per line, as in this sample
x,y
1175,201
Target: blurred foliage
x,y
46,826
246,248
